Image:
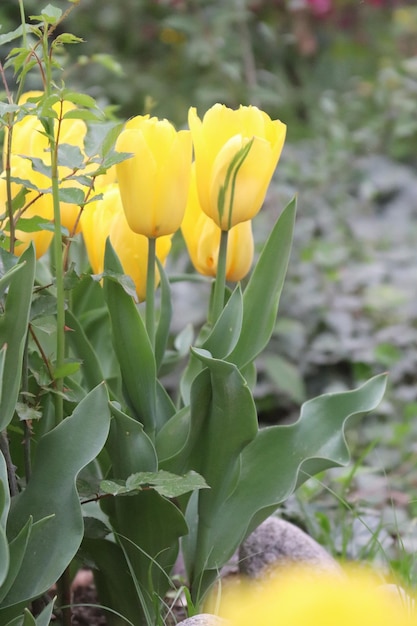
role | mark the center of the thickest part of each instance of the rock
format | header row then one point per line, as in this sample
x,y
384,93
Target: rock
x,y
204,619
277,542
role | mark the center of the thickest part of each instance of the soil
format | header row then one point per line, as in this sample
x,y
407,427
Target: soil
x,y
84,597
87,615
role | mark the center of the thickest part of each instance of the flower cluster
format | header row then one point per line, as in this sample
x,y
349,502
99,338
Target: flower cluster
x,y
157,189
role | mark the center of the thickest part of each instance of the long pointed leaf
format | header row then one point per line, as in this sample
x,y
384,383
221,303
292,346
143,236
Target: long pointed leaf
x,y
165,316
132,346
263,291
13,329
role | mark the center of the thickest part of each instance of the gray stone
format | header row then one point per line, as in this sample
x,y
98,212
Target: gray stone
x,y
277,542
204,619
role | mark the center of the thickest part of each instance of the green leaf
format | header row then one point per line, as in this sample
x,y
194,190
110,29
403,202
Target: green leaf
x,y
132,347
124,281
69,367
2,362
91,367
223,423
67,38
4,556
17,551
49,14
100,138
165,316
80,99
147,524
44,618
165,483
13,329
129,447
26,412
15,34
171,440
70,156
60,456
112,578
281,458
285,376
38,165
226,332
8,261
72,195
263,291
4,510
32,224
83,114
148,527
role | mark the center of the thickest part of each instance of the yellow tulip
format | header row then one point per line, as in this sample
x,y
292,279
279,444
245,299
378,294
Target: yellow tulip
x,y
202,237
222,136
37,207
303,598
95,223
105,218
29,140
154,181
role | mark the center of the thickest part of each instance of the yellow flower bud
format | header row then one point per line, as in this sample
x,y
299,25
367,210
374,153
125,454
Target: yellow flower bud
x,y
154,181
202,237
105,218
236,153
307,598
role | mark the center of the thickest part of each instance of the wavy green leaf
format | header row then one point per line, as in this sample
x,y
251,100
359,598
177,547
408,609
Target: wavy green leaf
x,y
278,460
60,456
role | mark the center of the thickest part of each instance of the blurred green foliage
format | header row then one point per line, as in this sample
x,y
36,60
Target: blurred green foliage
x,y
166,55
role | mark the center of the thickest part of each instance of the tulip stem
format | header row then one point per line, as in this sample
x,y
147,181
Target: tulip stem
x,y
217,303
150,291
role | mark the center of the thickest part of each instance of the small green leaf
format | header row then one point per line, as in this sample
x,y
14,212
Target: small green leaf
x,y
80,99
15,34
51,13
67,369
70,156
123,280
100,138
67,38
72,195
28,185
32,224
114,487
83,114
26,412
